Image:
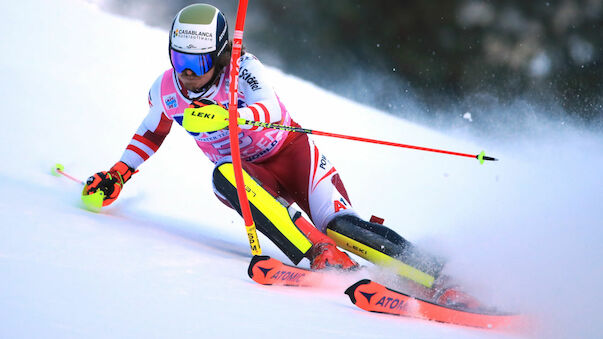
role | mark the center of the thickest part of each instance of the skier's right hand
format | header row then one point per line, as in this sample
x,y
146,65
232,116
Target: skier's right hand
x,y
205,115
109,182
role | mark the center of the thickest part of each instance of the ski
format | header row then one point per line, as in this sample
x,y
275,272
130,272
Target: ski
x,y
374,297
269,271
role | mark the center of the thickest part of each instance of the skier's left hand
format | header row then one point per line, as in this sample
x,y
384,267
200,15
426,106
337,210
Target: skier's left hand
x,y
205,115
109,182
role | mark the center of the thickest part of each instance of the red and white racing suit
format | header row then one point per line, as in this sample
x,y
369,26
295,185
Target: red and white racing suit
x,y
287,164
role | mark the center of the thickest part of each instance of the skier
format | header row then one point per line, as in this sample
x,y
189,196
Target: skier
x,y
281,167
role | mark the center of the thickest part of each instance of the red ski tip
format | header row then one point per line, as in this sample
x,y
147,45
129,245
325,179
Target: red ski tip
x,y
269,271
374,297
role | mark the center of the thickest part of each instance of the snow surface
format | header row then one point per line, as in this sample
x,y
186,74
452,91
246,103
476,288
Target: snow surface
x,y
167,260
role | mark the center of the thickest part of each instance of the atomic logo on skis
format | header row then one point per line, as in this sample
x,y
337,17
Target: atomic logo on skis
x,y
392,303
288,276
265,270
368,296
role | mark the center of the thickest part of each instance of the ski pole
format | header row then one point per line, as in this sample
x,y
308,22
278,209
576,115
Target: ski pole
x,y
481,156
237,45
59,169
94,201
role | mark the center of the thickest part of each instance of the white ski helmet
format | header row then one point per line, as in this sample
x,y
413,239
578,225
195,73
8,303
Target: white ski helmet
x,y
199,35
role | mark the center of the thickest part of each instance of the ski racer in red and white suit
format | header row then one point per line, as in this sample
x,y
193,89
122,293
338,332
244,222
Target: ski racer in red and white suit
x,y
287,165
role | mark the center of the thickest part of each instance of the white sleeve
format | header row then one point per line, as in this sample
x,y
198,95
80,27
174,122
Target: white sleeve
x,y
150,134
261,100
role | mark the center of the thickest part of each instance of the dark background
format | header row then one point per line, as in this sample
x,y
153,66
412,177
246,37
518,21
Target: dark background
x,y
446,57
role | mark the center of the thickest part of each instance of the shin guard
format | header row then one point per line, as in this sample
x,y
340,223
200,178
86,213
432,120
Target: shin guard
x,y
382,246
270,216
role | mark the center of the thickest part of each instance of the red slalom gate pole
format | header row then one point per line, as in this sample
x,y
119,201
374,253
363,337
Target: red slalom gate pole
x,y
234,129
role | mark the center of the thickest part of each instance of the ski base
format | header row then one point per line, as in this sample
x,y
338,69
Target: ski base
x,y
374,297
269,271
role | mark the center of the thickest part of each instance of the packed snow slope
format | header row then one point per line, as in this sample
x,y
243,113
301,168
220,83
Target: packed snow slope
x,y
167,260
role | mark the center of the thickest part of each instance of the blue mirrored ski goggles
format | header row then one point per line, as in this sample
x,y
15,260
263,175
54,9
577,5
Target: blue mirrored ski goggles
x,y
198,63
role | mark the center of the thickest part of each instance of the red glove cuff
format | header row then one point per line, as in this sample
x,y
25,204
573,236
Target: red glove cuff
x,y
125,172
